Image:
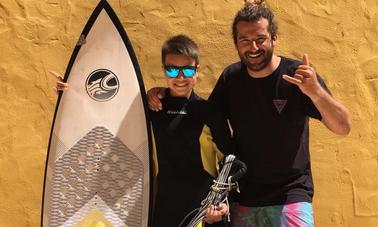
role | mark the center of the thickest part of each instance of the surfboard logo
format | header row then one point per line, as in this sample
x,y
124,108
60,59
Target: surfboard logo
x,y
102,85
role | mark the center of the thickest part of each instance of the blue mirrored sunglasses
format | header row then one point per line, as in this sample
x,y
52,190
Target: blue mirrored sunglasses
x,y
173,71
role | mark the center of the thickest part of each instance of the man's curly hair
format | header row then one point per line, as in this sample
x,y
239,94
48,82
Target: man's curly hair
x,y
253,11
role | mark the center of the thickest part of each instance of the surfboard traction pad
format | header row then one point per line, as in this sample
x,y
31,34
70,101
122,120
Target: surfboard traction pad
x,y
93,175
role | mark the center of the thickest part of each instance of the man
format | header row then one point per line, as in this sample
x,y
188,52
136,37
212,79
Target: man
x,y
268,100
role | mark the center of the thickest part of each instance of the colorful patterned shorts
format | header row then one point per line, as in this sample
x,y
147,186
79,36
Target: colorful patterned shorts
x,y
289,215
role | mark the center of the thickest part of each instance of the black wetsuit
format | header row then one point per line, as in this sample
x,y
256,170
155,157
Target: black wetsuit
x,y
269,117
185,168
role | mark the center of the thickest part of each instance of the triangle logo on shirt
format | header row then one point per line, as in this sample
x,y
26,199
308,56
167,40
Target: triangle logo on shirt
x,y
279,104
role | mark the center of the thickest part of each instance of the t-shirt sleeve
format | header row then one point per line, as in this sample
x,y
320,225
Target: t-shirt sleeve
x,y
309,107
217,96
220,130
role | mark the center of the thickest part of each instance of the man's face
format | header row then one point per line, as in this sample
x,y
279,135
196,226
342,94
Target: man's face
x,y
180,86
254,44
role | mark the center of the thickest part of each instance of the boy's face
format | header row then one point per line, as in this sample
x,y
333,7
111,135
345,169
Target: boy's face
x,y
180,86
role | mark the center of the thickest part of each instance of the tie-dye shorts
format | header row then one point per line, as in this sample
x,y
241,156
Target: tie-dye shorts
x,y
289,215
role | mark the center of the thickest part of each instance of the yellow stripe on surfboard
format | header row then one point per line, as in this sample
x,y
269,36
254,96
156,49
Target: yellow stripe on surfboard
x,y
94,218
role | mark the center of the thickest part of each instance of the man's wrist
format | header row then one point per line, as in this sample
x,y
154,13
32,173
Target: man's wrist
x,y
318,95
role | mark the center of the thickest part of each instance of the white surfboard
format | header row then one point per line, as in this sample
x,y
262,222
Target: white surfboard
x,y
98,168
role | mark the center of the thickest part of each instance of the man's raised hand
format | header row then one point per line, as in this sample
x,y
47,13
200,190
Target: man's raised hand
x,y
305,78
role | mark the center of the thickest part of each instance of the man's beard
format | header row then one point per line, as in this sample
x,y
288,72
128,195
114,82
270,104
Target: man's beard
x,y
267,57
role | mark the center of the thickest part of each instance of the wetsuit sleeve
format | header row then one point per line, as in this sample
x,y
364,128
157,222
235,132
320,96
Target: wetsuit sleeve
x,y
309,107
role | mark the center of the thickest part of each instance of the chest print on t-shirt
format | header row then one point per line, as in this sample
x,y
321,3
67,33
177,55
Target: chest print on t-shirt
x,y
279,104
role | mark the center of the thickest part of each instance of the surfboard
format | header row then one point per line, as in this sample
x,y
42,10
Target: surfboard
x,y
98,167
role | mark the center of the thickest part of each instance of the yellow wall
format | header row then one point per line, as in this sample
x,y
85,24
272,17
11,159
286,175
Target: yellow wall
x,y
340,36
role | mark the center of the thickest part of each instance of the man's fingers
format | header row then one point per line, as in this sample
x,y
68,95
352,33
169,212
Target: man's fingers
x,y
154,104
58,89
161,93
156,92
208,217
213,214
153,92
303,72
62,84
153,98
223,208
299,77
292,80
212,209
306,60
56,75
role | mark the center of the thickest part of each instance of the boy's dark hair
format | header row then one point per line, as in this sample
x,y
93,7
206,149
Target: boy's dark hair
x,y
252,12
180,45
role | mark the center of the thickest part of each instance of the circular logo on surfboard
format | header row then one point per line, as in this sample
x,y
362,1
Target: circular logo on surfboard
x,y
102,85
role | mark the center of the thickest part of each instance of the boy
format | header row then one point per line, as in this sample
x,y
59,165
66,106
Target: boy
x,y
185,168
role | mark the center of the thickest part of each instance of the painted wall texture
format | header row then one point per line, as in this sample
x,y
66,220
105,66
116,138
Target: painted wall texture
x,y
340,36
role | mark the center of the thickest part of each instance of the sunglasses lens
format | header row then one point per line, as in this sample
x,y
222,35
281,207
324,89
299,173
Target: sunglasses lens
x,y
172,72
189,72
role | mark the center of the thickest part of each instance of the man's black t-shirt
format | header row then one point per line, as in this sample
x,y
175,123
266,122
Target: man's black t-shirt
x,y
269,117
